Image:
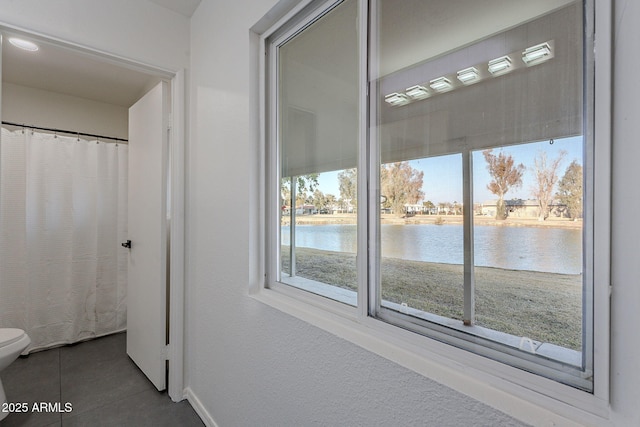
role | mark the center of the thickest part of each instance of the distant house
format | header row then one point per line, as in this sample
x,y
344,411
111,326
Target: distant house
x,y
415,209
300,210
519,208
306,210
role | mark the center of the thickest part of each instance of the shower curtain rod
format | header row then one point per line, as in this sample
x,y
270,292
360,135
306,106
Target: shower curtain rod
x,y
65,131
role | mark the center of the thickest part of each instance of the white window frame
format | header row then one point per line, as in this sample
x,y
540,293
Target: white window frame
x,y
526,396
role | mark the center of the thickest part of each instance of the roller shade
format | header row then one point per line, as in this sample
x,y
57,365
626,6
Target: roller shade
x,y
533,103
318,94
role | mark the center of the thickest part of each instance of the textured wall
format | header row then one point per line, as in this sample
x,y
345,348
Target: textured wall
x,y
247,363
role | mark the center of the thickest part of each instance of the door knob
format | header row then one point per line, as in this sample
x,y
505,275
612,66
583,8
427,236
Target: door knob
x,y
127,244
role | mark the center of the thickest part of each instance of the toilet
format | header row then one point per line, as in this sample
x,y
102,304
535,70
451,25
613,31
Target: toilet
x,y
12,343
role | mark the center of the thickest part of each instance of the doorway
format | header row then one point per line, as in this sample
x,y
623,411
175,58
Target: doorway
x,y
97,91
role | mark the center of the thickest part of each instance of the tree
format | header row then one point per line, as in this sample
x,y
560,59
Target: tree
x,y
442,207
347,180
319,200
570,190
429,206
546,177
505,174
331,202
401,184
306,184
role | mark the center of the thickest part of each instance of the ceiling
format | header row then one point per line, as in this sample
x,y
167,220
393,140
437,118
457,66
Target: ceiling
x,y
183,7
59,69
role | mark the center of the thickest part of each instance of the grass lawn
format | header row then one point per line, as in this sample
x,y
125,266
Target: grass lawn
x,y
545,307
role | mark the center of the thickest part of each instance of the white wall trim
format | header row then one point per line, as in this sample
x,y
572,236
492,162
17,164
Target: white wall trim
x,y
200,409
176,280
602,187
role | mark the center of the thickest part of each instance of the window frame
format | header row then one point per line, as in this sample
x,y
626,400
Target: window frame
x,y
497,383
312,10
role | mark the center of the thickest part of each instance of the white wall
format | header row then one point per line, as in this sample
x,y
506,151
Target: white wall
x,y
247,363
21,104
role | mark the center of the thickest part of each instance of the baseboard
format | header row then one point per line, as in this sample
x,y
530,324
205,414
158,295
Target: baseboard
x,y
197,406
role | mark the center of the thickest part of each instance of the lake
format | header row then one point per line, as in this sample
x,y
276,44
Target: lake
x,y
554,250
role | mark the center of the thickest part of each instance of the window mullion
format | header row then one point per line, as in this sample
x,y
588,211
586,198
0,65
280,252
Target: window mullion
x,y
467,214
292,228
363,206
274,178
374,297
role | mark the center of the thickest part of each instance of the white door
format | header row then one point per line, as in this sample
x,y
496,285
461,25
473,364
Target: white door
x,y
147,289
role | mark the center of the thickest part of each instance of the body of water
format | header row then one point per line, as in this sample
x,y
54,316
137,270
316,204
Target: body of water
x,y
554,250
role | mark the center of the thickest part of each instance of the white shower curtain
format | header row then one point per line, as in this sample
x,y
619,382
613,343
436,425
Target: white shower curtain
x,y
63,215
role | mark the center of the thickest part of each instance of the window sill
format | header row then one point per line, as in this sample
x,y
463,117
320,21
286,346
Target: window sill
x,y
342,295
548,350
345,296
525,396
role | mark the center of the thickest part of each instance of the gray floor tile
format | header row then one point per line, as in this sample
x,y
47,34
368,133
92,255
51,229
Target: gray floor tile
x,y
33,379
148,408
103,385
31,419
97,350
92,383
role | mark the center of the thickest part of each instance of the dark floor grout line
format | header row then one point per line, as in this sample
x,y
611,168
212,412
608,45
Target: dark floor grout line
x,y
60,381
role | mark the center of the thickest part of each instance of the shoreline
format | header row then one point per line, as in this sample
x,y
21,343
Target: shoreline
x,y
350,219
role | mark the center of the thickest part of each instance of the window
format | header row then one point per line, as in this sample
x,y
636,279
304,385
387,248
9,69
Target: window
x,y
317,128
433,169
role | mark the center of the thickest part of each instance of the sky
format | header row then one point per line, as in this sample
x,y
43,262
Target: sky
x,y
442,180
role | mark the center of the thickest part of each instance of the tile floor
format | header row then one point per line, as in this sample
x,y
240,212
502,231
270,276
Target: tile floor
x,y
103,386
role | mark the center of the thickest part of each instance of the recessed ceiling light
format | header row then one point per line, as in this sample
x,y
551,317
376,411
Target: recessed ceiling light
x,y
23,44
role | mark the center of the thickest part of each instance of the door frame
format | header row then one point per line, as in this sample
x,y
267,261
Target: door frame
x,y
177,79
176,264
